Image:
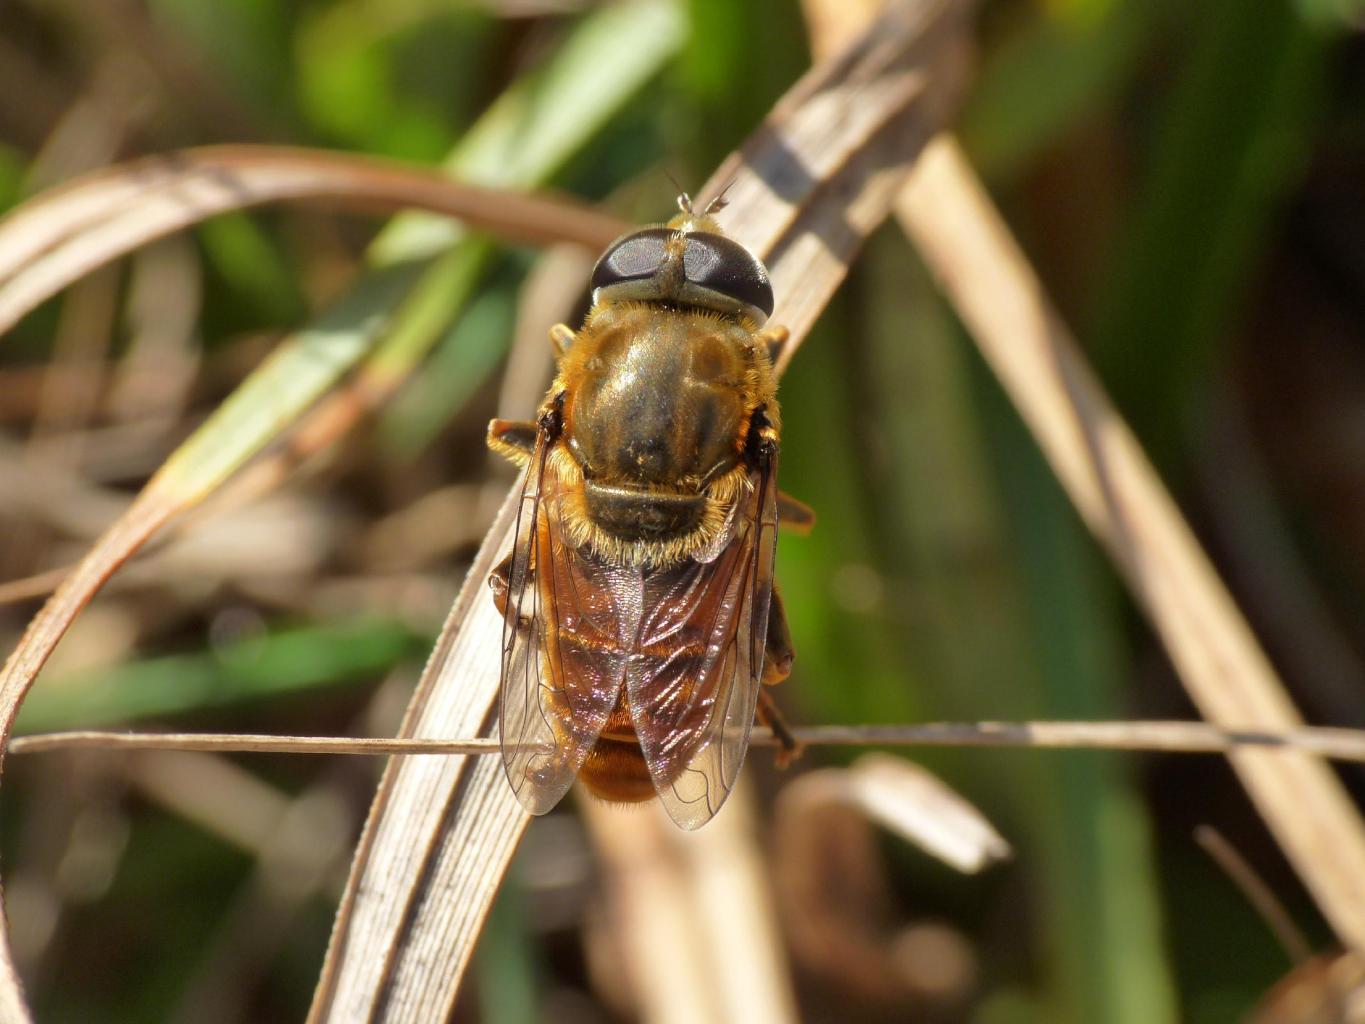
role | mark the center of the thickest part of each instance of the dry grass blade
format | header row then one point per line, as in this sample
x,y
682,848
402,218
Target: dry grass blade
x,y
966,243
709,885
62,235
946,211
33,586
817,177
903,797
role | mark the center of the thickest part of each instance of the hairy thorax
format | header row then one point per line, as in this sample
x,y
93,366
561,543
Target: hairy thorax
x,y
656,421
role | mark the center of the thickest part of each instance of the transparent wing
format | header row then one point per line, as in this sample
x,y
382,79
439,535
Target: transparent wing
x,y
694,690
560,676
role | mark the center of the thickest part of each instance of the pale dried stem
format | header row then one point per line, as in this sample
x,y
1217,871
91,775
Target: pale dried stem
x,y
980,267
808,188
1172,737
40,584
693,916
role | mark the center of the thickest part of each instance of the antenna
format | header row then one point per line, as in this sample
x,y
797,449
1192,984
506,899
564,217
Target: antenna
x,y
684,200
720,202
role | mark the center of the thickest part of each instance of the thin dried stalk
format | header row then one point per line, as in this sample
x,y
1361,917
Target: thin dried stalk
x,y
1154,737
38,585
64,234
1257,893
964,240
807,189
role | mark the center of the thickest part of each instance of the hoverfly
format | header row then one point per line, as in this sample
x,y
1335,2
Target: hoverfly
x,y
639,615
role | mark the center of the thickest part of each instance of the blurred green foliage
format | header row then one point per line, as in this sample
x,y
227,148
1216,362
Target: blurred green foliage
x,y
256,667
1232,139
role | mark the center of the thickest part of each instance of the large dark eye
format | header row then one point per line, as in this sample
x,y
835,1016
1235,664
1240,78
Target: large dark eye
x,y
718,272
634,257
722,265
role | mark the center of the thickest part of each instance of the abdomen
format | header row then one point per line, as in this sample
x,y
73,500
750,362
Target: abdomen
x,y
616,770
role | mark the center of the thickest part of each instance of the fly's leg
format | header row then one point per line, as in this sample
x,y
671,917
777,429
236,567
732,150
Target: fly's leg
x,y
561,338
777,651
777,665
514,440
789,748
794,514
773,340
498,582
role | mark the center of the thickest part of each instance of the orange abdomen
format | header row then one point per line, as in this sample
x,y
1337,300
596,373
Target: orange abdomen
x,y
615,770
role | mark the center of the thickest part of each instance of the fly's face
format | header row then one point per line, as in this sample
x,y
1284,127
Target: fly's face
x,y
637,595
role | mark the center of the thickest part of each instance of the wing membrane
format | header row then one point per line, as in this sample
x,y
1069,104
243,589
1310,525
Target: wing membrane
x,y
693,688
562,662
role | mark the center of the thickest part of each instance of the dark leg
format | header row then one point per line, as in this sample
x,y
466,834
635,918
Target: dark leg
x,y
777,652
777,665
789,747
793,514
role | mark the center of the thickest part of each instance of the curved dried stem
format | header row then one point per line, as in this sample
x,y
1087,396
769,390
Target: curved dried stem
x,y
62,235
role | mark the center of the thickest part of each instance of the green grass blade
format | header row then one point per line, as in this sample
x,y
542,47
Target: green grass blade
x,y
1011,622
1096,855
1233,141
545,118
522,141
463,361
273,396
1043,79
276,664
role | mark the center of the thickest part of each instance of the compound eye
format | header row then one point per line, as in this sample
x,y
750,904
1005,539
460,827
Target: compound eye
x,y
723,266
633,257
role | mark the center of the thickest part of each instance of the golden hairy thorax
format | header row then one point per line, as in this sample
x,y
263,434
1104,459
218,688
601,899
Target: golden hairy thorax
x,y
657,412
